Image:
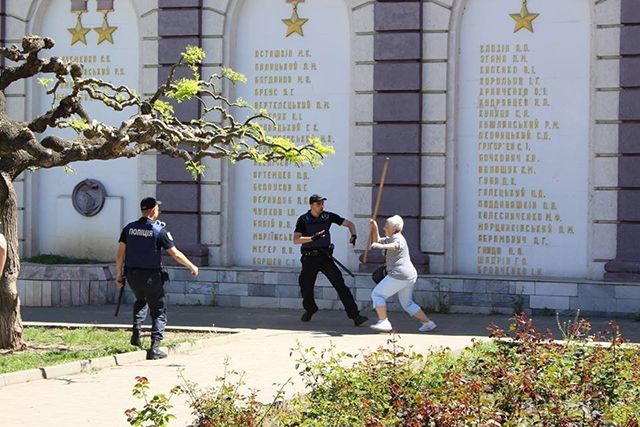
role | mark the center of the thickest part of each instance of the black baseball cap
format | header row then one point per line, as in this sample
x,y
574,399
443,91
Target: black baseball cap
x,y
149,203
316,198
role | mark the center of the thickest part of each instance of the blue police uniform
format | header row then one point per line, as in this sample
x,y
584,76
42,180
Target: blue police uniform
x,y
316,257
145,241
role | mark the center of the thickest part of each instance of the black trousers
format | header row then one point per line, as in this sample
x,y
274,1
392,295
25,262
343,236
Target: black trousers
x,y
148,288
311,266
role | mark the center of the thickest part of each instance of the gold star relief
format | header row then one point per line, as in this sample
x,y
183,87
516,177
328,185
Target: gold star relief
x,y
295,23
524,19
105,33
78,33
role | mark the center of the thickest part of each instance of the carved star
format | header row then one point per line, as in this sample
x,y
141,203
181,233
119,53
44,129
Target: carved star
x,y
78,33
105,32
294,24
524,19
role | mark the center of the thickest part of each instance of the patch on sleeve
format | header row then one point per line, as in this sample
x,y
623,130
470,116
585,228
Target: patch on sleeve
x,y
169,236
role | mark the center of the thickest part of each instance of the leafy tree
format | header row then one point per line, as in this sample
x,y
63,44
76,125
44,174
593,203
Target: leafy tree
x,y
152,126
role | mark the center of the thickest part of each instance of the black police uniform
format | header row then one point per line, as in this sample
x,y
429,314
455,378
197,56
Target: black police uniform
x,y
316,258
145,240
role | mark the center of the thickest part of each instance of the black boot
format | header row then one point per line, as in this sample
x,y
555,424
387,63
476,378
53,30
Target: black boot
x,y
307,315
359,320
135,336
154,352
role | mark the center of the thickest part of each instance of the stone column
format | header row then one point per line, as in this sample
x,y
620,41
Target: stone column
x,y
397,115
180,25
626,266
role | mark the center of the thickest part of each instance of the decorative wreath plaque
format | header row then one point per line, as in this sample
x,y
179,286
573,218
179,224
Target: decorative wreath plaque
x,y
88,197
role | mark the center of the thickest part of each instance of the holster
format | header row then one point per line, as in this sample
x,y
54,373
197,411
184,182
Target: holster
x,y
164,274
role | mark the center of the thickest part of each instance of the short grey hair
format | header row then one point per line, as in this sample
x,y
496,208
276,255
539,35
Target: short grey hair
x,y
396,222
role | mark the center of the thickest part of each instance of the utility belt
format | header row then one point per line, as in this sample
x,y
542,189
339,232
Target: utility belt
x,y
313,252
164,274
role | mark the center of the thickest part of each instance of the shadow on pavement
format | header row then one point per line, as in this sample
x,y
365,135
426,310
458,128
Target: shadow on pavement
x,y
334,323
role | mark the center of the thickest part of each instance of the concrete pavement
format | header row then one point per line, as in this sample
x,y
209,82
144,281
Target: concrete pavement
x,y
332,322
261,350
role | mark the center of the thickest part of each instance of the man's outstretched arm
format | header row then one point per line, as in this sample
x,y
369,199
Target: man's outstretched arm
x,y
182,259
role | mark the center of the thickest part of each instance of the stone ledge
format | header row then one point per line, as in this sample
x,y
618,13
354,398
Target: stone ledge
x,y
103,362
70,368
474,294
131,357
557,289
21,377
550,302
31,271
278,288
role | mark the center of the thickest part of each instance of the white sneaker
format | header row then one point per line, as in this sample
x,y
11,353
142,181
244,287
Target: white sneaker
x,y
429,326
382,326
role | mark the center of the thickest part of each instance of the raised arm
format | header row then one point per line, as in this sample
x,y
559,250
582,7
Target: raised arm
x,y
375,232
393,246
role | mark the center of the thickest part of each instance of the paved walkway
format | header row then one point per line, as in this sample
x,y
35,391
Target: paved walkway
x,y
261,349
333,322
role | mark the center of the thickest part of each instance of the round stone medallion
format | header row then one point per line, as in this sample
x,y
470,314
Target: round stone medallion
x,y
88,197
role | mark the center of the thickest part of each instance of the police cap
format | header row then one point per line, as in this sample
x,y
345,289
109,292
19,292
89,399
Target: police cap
x,y
316,198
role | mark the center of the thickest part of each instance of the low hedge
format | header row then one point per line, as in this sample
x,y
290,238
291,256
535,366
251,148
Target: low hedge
x,y
521,377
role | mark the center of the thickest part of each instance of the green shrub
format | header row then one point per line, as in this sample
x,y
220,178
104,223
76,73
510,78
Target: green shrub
x,y
521,377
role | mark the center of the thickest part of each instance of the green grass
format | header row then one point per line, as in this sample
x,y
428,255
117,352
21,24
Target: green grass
x,y
51,259
54,346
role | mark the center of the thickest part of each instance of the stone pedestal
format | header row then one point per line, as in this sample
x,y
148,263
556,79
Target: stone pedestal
x,y
42,285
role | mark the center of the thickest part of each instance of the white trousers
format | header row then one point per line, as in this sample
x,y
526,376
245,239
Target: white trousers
x,y
389,287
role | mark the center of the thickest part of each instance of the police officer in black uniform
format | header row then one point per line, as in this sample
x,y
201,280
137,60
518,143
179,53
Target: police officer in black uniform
x,y
312,232
140,251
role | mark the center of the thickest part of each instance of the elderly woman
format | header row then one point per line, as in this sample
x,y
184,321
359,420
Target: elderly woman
x,y
401,276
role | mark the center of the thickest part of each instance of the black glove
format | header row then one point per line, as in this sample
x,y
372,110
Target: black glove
x,y
318,235
353,239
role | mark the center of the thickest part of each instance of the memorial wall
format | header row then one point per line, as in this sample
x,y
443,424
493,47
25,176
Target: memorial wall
x,y
521,179
103,37
296,58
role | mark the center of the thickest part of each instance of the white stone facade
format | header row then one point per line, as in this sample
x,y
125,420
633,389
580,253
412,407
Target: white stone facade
x,y
25,17
441,27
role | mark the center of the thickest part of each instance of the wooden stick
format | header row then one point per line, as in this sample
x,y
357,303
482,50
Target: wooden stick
x,y
376,207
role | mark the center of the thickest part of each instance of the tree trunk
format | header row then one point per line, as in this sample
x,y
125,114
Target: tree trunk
x,y
10,319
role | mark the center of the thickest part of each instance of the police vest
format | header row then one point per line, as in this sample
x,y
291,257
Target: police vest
x,y
314,225
144,249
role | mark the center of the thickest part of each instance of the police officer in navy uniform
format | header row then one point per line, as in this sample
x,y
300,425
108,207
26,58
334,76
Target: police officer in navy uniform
x,y
140,251
312,232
